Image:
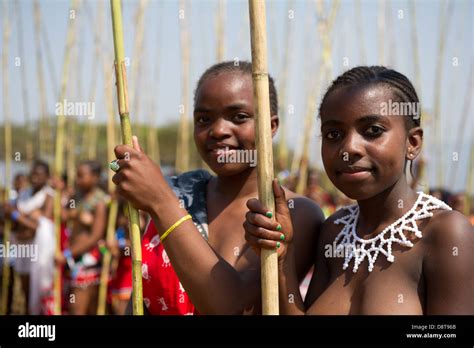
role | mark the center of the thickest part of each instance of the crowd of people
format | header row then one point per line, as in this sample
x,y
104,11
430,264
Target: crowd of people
x,y
202,232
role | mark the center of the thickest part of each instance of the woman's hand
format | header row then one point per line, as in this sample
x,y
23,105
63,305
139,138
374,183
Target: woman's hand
x,y
139,180
263,232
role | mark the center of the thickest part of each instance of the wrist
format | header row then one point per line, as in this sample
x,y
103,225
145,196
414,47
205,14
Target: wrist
x,y
167,205
284,259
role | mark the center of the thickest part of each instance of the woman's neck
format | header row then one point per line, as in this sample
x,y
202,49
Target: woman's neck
x,y
237,186
386,207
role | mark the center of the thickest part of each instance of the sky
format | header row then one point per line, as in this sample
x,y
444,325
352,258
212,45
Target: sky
x,y
158,61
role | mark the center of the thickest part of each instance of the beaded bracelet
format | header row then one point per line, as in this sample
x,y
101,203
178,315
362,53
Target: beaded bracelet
x,y
69,259
173,227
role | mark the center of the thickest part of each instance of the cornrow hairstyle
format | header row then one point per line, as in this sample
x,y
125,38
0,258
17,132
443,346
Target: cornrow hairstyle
x,y
94,167
398,83
241,67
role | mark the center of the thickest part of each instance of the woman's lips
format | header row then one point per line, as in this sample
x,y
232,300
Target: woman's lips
x,y
354,173
222,151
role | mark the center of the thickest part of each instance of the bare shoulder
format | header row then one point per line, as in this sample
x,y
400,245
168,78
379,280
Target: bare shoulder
x,y
447,227
303,209
329,229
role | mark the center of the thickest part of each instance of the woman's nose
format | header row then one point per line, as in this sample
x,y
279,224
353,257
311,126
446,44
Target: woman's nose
x,y
352,147
220,128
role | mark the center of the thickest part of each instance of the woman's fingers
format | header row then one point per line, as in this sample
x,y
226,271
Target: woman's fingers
x,y
281,206
135,143
262,221
262,237
257,207
261,243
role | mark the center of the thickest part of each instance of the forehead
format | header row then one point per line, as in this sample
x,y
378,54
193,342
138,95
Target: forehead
x,y
353,102
225,88
38,170
83,168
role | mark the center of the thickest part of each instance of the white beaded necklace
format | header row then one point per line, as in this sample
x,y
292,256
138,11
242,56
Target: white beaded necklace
x,y
358,248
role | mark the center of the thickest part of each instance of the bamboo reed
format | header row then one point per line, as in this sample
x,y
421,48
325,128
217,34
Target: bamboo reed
x,y
182,151
282,144
381,32
464,121
220,30
59,158
8,154
113,206
137,64
89,136
137,295
44,122
325,72
24,86
269,258
360,32
444,20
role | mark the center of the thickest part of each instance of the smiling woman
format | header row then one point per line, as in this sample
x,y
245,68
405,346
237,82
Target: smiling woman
x,y
206,266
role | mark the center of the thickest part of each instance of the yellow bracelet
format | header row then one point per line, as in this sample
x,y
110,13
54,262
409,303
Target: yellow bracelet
x,y
173,227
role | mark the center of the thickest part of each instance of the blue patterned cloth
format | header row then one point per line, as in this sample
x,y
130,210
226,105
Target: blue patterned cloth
x,y
190,188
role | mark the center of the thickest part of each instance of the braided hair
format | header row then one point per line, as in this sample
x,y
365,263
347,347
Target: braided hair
x,y
241,67
399,84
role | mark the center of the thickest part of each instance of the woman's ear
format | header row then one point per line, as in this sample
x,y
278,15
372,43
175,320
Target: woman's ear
x,y
275,123
414,143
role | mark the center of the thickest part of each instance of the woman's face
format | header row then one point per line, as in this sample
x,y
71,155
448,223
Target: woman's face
x,y
38,177
224,128
363,152
85,179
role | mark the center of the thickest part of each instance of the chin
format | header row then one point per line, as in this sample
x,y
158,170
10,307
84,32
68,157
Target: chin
x,y
357,191
227,169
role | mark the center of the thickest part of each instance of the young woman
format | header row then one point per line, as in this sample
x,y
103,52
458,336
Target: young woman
x,y
27,214
88,215
205,265
396,251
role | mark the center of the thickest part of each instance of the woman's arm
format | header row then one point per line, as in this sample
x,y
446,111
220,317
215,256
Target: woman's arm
x,y
213,285
261,232
448,264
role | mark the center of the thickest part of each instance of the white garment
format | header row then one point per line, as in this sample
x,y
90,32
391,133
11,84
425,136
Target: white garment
x,y
28,203
42,271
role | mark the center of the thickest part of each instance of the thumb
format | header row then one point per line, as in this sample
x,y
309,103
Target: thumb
x,y
281,206
135,143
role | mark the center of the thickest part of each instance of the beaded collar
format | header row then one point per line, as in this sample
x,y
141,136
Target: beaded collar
x,y
355,247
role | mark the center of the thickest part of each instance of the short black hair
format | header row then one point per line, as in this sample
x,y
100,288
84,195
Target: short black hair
x,y
242,67
400,85
94,166
40,164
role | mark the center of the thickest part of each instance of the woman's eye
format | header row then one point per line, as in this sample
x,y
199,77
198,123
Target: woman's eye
x,y
201,119
333,135
241,117
374,131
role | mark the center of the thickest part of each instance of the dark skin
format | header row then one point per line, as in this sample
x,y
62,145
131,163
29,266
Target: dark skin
x,y
365,158
225,276
88,229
